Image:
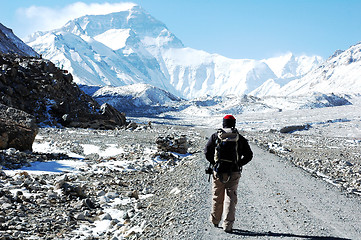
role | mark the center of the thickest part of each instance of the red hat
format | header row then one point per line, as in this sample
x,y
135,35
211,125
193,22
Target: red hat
x,y
229,121
229,117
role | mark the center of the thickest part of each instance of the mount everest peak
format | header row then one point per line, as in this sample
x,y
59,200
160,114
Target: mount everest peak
x,y
131,47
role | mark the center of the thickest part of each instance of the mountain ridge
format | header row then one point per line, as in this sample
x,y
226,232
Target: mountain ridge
x,y
11,44
147,53
338,74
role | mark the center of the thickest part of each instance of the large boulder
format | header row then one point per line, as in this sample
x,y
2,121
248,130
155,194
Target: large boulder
x,y
293,128
17,129
109,112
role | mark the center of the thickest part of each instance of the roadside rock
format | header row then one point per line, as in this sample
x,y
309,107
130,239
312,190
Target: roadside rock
x,y
17,129
292,128
172,143
69,205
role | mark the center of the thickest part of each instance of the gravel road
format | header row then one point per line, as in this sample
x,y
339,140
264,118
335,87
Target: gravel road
x,y
276,200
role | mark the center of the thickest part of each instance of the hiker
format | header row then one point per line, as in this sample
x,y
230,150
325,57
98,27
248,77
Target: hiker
x,y
227,151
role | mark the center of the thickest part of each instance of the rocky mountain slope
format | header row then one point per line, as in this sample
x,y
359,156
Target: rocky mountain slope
x,y
48,93
10,43
132,47
143,100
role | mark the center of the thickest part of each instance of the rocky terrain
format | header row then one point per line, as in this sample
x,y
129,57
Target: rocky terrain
x,y
69,204
335,159
142,191
35,86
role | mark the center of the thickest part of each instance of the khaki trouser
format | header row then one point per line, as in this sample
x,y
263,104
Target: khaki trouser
x,y
225,193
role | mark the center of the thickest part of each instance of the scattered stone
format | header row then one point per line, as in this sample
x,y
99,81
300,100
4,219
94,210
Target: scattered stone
x,y
173,143
326,157
133,194
132,126
106,217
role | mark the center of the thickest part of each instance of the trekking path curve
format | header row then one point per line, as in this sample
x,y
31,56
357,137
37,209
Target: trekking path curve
x,y
276,200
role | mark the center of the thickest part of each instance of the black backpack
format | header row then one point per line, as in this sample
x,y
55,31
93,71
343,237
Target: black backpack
x,y
226,154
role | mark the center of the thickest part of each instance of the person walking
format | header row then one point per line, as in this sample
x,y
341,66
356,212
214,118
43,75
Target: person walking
x,y
227,151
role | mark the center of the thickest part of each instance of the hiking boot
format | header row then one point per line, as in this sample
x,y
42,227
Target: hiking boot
x,y
227,229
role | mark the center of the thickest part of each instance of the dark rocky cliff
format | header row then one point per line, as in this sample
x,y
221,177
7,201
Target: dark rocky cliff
x,y
11,44
39,88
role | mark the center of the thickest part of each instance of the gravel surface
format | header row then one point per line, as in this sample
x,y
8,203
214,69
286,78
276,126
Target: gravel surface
x,y
276,200
334,159
170,199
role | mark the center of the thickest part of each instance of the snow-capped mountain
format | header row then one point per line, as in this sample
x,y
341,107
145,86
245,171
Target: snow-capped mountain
x,y
338,74
131,46
291,66
109,49
197,73
10,43
142,99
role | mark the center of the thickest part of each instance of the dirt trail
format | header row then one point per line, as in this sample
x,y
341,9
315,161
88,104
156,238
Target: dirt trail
x,y
279,200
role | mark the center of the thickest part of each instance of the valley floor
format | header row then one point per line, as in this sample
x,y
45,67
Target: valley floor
x,y
112,186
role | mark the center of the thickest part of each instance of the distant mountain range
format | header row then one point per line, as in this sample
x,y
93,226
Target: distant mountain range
x,y
131,47
338,74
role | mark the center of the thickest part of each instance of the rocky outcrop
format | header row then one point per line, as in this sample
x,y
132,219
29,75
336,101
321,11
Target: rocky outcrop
x,y
39,88
171,143
109,112
17,129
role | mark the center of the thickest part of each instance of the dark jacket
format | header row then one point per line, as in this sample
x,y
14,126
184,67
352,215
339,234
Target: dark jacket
x,y
245,153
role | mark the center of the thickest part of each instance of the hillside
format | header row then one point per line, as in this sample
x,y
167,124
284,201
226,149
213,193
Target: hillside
x,y
39,88
135,100
11,44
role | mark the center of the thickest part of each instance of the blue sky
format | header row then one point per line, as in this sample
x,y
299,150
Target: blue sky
x,y
253,29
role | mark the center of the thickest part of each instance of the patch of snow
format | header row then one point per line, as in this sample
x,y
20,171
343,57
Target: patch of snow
x,y
114,38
